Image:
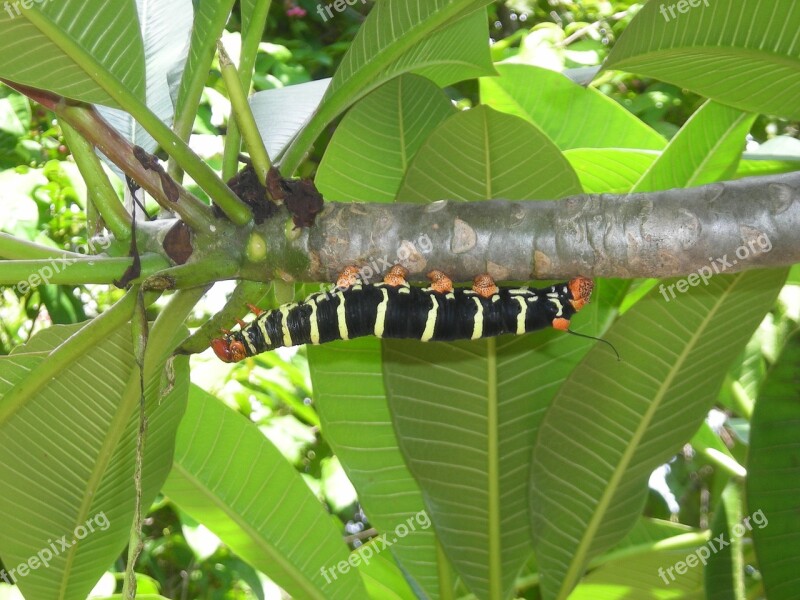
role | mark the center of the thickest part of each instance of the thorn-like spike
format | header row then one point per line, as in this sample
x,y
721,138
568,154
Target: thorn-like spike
x,y
241,323
254,309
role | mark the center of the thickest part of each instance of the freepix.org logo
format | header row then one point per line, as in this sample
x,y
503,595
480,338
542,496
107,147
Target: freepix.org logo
x,y
15,8
55,547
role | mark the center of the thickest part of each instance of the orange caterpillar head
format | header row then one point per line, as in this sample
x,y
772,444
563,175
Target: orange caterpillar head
x,y
229,349
581,289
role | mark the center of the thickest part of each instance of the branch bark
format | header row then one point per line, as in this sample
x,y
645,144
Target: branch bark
x,y
659,234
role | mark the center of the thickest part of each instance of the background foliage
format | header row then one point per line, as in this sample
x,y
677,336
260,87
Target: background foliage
x,y
353,426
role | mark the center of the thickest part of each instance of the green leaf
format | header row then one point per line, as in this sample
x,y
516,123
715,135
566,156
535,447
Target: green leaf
x,y
382,577
69,451
281,113
773,469
706,149
637,577
228,476
357,425
612,423
573,116
69,43
480,154
610,170
397,37
373,145
743,54
466,415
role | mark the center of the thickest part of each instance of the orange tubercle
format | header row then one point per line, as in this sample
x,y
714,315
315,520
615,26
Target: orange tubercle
x,y
581,290
347,278
484,285
396,276
440,282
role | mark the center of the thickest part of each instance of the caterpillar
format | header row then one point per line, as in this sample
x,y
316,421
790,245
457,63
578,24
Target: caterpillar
x,y
395,309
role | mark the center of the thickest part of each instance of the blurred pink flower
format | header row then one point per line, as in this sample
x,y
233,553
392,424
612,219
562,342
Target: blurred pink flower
x,y
296,11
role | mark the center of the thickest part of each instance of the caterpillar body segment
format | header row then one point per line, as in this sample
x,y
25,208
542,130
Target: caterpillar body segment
x,y
394,309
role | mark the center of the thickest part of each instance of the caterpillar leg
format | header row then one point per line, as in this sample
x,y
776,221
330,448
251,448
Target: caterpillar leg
x,y
396,276
347,278
484,286
440,282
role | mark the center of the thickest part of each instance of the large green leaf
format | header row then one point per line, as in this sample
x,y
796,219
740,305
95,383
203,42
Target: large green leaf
x,y
706,149
466,415
453,443
373,145
773,474
612,423
228,476
67,457
744,54
482,153
357,425
64,46
437,37
573,116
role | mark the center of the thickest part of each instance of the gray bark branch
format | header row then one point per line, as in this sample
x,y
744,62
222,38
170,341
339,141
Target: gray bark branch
x,y
659,234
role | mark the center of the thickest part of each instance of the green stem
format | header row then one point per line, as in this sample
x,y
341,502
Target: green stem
x,y
101,192
195,80
236,210
16,249
158,345
119,150
251,38
26,274
192,275
244,116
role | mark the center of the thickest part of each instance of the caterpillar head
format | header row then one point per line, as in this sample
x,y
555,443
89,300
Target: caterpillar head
x,y
581,289
229,349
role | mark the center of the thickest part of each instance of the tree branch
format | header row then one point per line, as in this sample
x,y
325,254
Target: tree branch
x,y
659,234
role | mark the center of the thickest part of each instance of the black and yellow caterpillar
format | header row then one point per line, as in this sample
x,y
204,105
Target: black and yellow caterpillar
x,y
394,309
